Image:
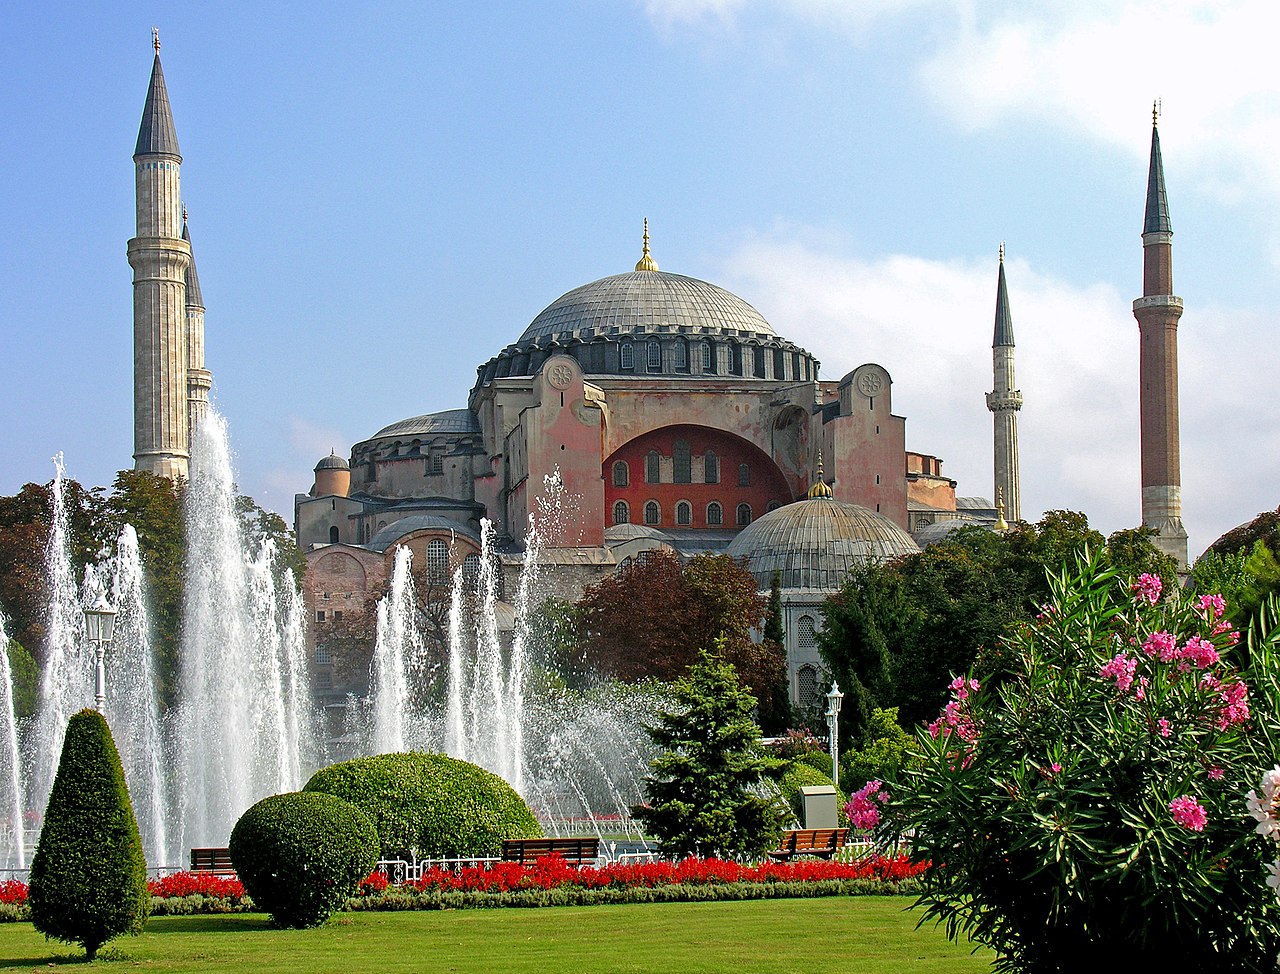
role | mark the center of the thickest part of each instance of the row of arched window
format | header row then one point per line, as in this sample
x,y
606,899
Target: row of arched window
x,y
684,514
681,468
753,362
438,565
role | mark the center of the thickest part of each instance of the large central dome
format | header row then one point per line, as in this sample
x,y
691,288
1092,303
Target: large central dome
x,y
643,301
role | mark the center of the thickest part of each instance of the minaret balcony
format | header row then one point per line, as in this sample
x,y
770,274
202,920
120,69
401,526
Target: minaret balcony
x,y
1009,402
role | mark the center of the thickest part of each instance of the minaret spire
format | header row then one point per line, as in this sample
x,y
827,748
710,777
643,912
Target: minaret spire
x,y
1158,311
161,260
1004,401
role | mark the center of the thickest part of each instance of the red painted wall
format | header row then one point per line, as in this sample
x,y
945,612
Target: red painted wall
x,y
767,483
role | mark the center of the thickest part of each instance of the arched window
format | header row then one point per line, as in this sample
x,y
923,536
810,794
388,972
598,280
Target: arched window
x,y
684,513
682,355
471,570
744,515
621,513
758,364
744,475
628,357
652,513
621,474
773,506
711,468
707,364
333,534
652,467
655,357
626,563
715,514
438,562
681,463
807,686
806,632
642,559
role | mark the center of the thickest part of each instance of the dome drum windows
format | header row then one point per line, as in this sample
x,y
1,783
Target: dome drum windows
x,y
654,355
708,362
437,562
806,632
682,355
627,357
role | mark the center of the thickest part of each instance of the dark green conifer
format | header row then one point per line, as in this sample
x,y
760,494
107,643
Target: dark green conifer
x,y
89,875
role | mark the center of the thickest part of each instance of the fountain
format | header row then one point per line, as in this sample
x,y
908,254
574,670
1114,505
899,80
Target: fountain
x,y
13,851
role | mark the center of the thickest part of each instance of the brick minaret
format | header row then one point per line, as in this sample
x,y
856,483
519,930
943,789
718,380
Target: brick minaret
x,y
160,259
1158,311
1004,403
199,379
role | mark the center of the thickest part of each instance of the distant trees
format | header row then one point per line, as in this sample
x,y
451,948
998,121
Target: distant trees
x,y
652,619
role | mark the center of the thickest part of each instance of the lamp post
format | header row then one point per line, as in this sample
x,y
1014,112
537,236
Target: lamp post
x,y
100,626
834,697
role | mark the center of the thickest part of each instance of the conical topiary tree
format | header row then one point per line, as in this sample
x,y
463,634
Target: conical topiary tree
x,y
89,875
703,793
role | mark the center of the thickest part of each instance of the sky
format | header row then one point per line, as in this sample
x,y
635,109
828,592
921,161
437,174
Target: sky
x,y
382,196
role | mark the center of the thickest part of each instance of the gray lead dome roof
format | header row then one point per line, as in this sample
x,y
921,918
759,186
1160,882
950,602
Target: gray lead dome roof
x,y
644,299
815,543
448,421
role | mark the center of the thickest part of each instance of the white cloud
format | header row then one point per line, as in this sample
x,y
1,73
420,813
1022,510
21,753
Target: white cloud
x,y
930,324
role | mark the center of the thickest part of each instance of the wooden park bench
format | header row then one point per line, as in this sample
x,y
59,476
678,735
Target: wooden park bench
x,y
823,843
216,861
574,851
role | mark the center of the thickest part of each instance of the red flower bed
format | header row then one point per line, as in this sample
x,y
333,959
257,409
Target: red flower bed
x,y
13,892
189,884
553,871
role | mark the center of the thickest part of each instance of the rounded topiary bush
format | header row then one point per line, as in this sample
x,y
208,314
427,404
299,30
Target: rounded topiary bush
x,y
89,876
798,775
431,804
301,855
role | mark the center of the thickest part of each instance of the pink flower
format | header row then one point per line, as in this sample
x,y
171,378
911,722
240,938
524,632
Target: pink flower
x,y
1189,813
1147,588
1121,670
1140,692
1164,727
1055,768
1211,606
1235,705
862,812
1199,651
1216,773
1161,644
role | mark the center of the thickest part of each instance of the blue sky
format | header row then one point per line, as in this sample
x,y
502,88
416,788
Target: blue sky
x,y
384,195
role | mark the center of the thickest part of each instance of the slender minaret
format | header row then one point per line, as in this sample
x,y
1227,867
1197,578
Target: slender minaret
x,y
199,379
159,258
1004,403
1158,311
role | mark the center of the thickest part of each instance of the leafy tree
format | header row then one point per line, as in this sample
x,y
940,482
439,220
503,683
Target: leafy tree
x,y
89,877
775,696
883,755
26,680
702,797
648,621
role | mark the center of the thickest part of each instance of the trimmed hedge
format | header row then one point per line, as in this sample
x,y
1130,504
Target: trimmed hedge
x,y
799,775
89,874
300,855
436,805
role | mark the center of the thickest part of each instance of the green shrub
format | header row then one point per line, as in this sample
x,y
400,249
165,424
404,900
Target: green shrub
x,y
800,774
89,876
1089,813
819,760
883,755
301,855
429,803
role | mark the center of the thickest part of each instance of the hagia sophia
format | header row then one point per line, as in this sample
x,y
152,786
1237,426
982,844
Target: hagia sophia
x,y
644,411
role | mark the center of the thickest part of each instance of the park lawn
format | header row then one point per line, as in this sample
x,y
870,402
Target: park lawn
x,y
849,934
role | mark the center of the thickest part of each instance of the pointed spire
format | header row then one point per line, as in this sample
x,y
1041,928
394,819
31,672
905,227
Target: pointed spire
x,y
646,262
1001,524
156,135
820,486
194,298
1157,216
1004,321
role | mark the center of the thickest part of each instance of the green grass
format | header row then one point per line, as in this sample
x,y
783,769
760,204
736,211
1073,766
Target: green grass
x,y
847,934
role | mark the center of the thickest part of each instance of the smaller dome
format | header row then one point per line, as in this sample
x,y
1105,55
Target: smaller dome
x,y
944,529
816,543
333,462
448,421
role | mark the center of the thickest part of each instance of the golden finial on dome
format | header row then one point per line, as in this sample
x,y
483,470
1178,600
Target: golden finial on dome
x,y
820,486
646,262
184,214
1002,251
155,39
1001,523
1155,112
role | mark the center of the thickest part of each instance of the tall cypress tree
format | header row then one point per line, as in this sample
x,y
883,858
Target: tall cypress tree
x,y
89,875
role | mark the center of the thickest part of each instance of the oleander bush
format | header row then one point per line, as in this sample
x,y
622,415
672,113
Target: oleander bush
x,y
89,875
430,804
301,855
1088,811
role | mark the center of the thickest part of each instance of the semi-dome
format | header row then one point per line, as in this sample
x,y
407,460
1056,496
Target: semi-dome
x,y
644,300
815,543
448,421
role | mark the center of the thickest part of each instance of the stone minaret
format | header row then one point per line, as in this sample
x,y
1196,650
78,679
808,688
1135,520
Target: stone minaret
x,y
160,259
199,379
1158,311
1004,403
